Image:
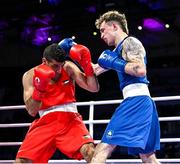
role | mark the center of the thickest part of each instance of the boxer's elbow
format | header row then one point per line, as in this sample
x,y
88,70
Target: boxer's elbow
x,y
93,88
32,113
136,69
96,88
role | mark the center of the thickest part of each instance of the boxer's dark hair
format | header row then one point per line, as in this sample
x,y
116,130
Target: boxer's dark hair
x,y
53,51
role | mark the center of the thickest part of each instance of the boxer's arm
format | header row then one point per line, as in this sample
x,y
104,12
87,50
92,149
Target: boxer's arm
x,y
133,52
98,69
32,105
89,83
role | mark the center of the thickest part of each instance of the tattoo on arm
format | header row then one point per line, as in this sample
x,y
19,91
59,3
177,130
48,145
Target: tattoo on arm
x,y
133,50
133,67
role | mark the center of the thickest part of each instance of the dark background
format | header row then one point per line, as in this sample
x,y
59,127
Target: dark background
x,y
25,26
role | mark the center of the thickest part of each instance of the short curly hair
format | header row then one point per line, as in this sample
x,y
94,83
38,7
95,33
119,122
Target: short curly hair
x,y
113,15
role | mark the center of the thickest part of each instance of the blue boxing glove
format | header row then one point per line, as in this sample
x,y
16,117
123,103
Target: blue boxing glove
x,y
110,60
66,44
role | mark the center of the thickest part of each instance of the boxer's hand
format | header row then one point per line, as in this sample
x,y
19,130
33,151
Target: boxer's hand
x,y
66,44
41,79
82,55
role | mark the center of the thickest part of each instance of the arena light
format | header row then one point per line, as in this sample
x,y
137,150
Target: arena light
x,y
40,36
94,33
153,24
139,27
39,30
167,25
91,9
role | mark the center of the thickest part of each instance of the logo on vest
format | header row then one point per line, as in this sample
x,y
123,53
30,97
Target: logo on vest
x,y
37,80
109,133
65,81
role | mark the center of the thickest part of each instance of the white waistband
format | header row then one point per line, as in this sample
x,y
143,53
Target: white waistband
x,y
59,108
136,89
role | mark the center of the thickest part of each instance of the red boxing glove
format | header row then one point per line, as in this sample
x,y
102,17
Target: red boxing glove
x,y
82,55
42,76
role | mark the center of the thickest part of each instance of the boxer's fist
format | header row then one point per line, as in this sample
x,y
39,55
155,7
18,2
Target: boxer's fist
x,y
66,44
82,55
110,60
41,79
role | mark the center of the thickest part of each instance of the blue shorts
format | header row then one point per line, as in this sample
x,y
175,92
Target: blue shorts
x,y
134,125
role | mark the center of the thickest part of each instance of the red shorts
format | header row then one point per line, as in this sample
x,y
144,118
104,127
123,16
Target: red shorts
x,y
63,130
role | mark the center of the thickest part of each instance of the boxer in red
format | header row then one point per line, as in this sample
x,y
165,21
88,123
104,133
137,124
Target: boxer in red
x,y
49,90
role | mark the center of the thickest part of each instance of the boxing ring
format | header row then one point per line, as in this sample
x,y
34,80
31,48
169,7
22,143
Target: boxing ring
x,y
90,122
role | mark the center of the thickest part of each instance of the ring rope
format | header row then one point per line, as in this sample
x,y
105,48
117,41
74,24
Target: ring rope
x,y
91,121
16,125
104,102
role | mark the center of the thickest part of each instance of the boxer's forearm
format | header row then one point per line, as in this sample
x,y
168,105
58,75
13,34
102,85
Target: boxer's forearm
x,y
32,106
98,70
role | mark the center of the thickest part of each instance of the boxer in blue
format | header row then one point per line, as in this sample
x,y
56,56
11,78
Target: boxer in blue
x,y
135,122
